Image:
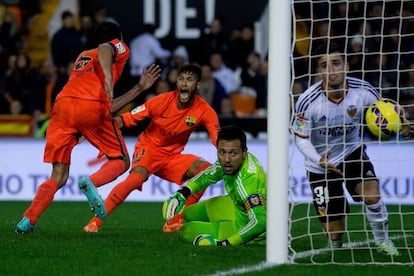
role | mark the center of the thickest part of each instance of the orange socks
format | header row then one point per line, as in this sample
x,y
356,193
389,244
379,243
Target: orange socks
x,y
42,200
108,172
121,191
193,198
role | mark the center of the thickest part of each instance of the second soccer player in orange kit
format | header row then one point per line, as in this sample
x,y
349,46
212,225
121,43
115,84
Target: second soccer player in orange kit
x,y
83,109
174,116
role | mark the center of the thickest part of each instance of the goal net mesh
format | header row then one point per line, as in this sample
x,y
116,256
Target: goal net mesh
x,y
378,39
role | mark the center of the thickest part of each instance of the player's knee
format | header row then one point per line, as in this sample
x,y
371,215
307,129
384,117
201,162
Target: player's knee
x,y
371,199
185,233
140,170
127,163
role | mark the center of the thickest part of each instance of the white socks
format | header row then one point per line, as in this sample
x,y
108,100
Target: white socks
x,y
377,216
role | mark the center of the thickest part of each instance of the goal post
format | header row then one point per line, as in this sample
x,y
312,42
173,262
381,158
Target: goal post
x,y
277,125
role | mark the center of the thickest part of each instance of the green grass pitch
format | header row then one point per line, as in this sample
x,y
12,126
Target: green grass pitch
x,y
131,243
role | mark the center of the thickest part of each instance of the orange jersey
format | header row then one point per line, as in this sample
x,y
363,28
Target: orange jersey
x,y
170,127
86,79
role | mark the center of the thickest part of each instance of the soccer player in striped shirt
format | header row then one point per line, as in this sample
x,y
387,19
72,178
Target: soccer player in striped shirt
x,y
327,124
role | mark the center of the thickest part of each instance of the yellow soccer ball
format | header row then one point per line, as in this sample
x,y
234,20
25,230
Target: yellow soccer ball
x,y
204,240
384,118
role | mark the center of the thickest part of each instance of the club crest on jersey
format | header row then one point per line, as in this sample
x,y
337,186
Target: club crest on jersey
x,y
253,201
190,121
351,110
82,62
120,48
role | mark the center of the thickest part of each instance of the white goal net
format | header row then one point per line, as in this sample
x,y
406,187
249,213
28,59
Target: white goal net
x,y
378,43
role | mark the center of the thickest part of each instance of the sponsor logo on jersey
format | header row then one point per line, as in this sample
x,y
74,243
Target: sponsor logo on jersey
x,y
351,110
138,109
338,130
190,121
120,48
82,62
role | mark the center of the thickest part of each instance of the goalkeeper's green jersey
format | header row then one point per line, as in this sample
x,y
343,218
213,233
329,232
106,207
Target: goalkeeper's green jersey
x,y
247,189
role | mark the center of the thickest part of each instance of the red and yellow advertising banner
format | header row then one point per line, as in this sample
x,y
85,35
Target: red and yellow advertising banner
x,y
16,126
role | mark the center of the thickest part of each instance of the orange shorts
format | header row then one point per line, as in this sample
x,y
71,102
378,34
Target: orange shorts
x,y
72,118
171,167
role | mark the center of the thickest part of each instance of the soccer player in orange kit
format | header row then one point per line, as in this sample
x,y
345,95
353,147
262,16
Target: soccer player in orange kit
x,y
174,116
83,108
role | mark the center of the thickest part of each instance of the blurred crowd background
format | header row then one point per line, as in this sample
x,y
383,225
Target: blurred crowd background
x,y
36,56
234,76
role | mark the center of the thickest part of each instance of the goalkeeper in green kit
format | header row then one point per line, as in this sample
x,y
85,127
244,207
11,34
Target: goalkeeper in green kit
x,y
236,218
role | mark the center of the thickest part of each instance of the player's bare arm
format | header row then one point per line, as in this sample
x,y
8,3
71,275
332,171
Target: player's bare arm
x,y
324,163
407,128
105,56
148,77
119,121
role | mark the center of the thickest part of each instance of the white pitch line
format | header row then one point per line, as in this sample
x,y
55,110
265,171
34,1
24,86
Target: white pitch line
x,y
345,245
264,265
245,269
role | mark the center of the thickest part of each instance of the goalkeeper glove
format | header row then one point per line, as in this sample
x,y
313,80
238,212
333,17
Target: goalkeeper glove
x,y
175,203
208,240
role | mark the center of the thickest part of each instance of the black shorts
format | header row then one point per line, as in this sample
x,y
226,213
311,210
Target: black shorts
x,y
328,194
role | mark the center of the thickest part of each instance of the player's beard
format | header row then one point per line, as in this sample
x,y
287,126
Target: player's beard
x,y
228,169
335,82
335,85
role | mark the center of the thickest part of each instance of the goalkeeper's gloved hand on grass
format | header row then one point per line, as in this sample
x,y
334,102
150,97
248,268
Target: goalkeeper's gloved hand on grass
x,y
208,240
175,203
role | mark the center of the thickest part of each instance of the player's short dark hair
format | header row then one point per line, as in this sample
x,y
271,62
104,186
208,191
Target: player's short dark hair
x,y
232,132
106,32
327,47
191,68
